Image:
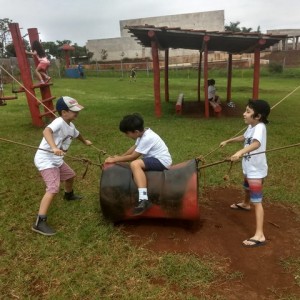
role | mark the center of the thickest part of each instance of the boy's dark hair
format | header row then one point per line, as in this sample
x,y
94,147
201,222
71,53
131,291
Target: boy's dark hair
x,y
211,82
260,107
37,46
132,123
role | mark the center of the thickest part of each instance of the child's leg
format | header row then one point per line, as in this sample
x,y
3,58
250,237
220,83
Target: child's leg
x,y
139,176
259,214
38,74
255,186
52,181
45,203
246,203
68,175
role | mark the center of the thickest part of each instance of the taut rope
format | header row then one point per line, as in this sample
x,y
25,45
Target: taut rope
x,y
83,160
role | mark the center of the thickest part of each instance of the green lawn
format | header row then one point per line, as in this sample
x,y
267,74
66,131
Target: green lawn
x,y
91,259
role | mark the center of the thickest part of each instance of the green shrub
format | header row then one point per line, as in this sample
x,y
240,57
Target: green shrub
x,y
275,68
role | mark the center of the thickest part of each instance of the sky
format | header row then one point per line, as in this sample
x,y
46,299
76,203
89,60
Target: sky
x,y
82,20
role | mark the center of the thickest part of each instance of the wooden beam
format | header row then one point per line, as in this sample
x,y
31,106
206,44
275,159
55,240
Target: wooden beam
x,y
156,73
167,75
229,77
205,71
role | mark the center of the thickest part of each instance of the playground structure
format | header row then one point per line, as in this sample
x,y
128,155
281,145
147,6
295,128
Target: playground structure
x,y
69,71
28,87
164,38
3,98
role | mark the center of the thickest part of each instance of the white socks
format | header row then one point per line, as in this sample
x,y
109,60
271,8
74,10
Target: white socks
x,y
143,194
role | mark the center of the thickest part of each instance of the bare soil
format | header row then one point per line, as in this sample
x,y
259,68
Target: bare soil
x,y
220,231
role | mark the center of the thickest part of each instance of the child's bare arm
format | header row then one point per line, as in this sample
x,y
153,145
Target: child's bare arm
x,y
240,138
48,135
253,146
129,155
83,140
30,52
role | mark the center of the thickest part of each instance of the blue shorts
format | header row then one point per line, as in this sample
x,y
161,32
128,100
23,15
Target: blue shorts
x,y
153,164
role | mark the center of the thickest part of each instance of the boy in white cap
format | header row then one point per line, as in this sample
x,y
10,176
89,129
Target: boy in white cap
x,y
57,138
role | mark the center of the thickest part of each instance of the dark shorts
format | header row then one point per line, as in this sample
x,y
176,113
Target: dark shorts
x,y
153,164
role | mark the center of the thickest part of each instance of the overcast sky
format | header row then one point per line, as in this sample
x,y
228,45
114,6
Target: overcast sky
x,y
82,20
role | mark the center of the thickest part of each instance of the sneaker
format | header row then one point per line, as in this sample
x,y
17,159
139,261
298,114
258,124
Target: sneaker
x,y
42,82
43,228
71,196
142,206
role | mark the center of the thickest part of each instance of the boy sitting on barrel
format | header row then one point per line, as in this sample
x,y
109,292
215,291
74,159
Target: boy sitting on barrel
x,y
156,156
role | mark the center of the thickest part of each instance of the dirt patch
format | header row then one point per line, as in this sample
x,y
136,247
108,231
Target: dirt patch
x,y
197,109
220,231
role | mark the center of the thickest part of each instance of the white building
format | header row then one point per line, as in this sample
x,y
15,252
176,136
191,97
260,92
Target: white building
x,y
127,47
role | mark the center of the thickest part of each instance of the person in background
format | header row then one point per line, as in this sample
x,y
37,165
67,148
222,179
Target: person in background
x,y
80,70
132,75
44,63
212,96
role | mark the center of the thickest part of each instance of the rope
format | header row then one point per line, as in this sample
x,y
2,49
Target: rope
x,y
100,151
246,126
83,160
267,151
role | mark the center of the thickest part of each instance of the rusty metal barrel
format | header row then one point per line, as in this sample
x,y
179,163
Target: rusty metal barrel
x,y
173,192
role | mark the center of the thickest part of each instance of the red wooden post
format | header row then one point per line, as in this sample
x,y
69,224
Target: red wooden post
x,y
25,74
256,72
156,73
45,89
229,77
167,75
199,76
206,39
67,48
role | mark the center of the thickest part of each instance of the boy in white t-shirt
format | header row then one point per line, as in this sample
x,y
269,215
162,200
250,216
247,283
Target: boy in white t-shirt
x,y
255,167
57,138
156,156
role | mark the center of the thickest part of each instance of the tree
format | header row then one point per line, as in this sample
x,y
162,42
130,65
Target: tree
x,y
4,32
103,54
235,27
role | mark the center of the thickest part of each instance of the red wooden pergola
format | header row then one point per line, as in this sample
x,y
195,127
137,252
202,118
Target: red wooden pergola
x,y
164,38
67,49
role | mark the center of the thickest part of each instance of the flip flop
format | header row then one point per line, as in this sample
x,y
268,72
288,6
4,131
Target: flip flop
x,y
256,243
238,206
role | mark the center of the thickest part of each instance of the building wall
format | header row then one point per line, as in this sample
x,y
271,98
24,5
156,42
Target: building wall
x,y
127,47
210,21
292,41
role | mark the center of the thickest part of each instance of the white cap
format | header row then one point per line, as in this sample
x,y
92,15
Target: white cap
x,y
68,103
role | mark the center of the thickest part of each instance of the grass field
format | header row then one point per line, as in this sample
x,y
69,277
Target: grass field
x,y
90,258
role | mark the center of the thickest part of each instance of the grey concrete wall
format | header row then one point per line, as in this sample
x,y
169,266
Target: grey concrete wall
x,y
210,21
117,49
291,43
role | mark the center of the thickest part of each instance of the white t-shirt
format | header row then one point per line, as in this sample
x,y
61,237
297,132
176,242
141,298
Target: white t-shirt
x,y
255,166
211,91
63,133
151,145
